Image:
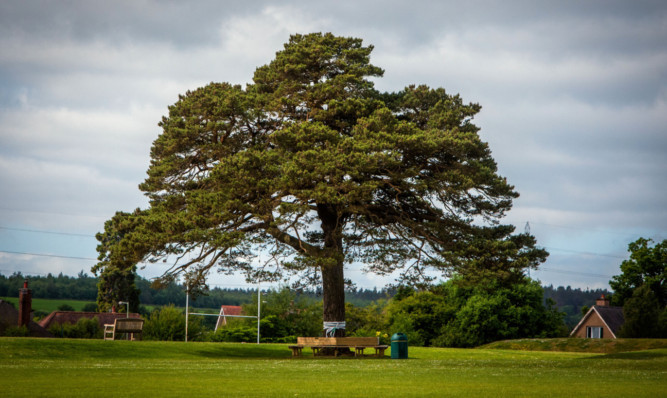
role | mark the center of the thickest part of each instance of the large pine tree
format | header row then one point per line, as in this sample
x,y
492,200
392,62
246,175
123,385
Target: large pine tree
x,y
310,168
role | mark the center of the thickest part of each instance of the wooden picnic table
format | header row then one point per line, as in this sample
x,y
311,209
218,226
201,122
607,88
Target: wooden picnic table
x,y
337,344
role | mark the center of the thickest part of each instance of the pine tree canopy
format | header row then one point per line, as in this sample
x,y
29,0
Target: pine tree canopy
x,y
309,169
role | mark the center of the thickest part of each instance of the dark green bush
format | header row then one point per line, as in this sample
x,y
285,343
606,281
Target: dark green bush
x,y
168,324
85,328
234,335
17,331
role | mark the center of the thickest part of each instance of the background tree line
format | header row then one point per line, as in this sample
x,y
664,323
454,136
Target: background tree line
x,y
81,287
451,314
573,302
84,287
447,314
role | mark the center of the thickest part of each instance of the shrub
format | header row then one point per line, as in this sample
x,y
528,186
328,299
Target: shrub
x,y
419,316
17,331
85,328
168,324
234,335
284,313
39,315
278,340
402,323
496,312
643,315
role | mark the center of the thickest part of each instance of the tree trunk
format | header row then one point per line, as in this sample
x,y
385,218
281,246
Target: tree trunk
x,y
333,282
333,296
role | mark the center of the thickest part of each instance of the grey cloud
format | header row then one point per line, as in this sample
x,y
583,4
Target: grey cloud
x,y
121,22
574,100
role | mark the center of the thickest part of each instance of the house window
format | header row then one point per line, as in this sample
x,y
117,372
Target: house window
x,y
594,332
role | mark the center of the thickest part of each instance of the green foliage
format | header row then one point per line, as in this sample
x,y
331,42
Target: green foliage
x,y
420,316
402,323
237,334
16,331
284,313
459,314
313,166
647,265
65,307
498,313
81,287
168,324
39,315
644,316
641,289
368,320
84,328
73,290
117,265
90,307
574,302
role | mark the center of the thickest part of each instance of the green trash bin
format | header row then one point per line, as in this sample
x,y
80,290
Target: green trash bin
x,y
399,346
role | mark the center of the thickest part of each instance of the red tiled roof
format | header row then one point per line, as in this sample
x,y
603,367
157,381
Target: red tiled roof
x,y
74,316
231,309
227,310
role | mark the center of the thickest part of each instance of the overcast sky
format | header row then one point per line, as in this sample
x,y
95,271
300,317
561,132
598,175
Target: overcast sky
x,y
573,95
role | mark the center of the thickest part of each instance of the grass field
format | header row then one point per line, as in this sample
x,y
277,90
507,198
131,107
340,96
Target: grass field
x,y
66,368
49,305
599,346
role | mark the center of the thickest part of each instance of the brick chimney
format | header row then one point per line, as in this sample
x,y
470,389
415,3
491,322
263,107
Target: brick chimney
x,y
602,301
25,304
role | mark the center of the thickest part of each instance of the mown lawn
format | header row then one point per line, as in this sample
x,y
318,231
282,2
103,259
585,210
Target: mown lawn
x,y
600,346
61,367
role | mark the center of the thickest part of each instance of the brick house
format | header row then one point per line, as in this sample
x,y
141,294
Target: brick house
x,y
23,316
602,321
9,316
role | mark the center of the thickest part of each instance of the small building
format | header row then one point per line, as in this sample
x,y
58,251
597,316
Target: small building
x,y
602,321
10,317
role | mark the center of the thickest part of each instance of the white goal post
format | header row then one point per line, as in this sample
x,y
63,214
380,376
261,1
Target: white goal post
x,y
221,314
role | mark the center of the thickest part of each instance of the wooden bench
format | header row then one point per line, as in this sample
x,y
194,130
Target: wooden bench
x,y
318,344
124,325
